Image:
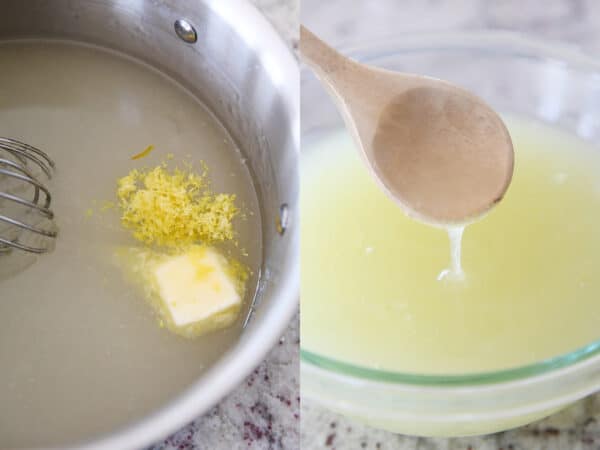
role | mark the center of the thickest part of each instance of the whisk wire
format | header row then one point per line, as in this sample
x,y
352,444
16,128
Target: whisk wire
x,y
7,245
47,213
28,227
32,181
18,165
29,152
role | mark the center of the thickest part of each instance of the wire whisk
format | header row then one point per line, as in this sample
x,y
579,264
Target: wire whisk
x,y
26,217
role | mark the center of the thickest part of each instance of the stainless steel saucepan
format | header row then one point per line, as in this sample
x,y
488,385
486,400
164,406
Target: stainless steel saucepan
x,y
227,55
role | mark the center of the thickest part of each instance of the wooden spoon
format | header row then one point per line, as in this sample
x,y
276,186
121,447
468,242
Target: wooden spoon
x,y
439,151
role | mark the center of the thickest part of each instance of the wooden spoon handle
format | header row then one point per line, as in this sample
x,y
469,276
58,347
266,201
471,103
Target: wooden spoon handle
x,y
323,59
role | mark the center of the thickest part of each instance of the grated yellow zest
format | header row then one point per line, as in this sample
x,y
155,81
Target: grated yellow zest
x,y
144,153
174,208
107,205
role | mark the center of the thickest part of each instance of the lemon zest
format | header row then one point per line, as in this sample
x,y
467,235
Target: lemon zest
x,y
144,153
174,209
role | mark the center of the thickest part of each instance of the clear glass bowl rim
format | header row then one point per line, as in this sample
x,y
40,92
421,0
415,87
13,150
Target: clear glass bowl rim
x,y
498,42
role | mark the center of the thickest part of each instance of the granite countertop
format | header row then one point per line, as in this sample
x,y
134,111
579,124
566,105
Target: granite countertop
x,y
570,22
264,412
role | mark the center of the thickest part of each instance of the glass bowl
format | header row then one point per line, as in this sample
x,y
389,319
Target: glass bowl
x,y
515,75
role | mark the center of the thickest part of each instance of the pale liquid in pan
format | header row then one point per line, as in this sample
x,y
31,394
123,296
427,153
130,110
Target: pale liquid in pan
x,y
80,350
530,283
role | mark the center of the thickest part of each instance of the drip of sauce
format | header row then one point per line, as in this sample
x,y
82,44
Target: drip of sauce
x,y
455,271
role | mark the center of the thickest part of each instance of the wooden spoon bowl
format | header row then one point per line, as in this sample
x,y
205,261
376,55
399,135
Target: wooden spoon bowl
x,y
439,151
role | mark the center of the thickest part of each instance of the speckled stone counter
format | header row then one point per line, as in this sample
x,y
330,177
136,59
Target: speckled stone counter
x,y
575,428
264,412
570,22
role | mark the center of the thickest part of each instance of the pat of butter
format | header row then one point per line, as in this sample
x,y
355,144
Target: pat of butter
x,y
195,287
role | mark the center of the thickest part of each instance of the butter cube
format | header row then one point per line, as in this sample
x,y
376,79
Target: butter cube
x,y
197,291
